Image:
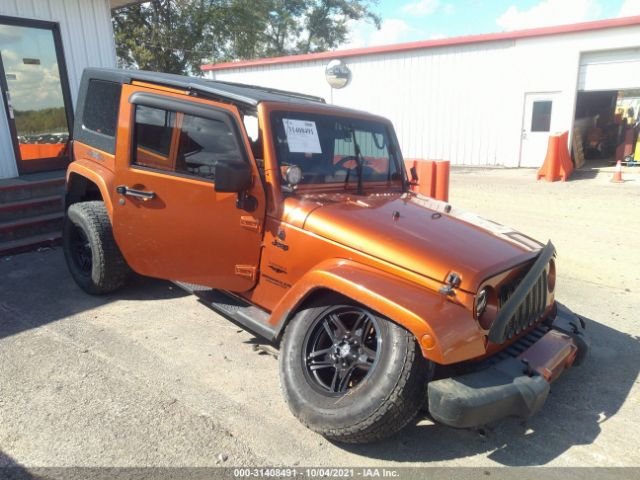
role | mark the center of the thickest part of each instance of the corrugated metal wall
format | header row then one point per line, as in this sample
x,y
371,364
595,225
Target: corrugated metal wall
x,y
445,104
87,38
461,103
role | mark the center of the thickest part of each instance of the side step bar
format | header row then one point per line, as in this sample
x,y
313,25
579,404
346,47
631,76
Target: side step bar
x,y
236,309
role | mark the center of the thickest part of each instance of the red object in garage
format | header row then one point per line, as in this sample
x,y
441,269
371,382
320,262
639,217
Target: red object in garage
x,y
626,147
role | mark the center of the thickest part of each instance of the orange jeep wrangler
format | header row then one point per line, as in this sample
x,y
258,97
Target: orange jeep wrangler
x,y
295,219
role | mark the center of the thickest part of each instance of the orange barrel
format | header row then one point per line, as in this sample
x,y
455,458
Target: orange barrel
x,y
427,173
550,169
442,180
566,165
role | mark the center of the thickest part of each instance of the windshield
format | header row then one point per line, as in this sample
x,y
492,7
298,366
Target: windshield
x,y
328,148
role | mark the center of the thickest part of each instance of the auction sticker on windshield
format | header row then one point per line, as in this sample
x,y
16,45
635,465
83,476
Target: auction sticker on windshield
x,y
302,136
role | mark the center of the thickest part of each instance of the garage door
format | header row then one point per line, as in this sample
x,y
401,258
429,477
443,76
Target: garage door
x,y
610,70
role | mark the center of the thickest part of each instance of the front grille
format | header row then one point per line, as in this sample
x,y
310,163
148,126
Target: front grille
x,y
506,291
530,309
522,303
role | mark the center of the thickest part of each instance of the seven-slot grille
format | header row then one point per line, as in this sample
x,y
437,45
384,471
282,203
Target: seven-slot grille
x,y
523,302
531,308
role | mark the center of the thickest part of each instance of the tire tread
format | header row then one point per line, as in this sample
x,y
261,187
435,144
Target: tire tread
x,y
112,270
397,410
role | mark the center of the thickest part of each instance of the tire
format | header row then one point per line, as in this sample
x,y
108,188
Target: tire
x,y
93,258
385,398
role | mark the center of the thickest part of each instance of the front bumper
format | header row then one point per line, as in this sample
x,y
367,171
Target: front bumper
x,y
516,386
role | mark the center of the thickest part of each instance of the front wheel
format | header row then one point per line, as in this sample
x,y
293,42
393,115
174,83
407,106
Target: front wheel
x,y
350,374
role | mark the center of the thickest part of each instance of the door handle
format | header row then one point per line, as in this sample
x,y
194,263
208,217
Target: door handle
x,y
141,194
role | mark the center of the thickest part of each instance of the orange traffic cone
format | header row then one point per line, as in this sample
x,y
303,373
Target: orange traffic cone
x,y
617,173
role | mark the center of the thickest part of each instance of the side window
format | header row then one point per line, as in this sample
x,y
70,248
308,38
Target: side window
x,y
152,137
203,143
100,113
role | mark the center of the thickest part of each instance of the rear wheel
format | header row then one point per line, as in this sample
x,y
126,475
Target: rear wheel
x,y
93,258
350,374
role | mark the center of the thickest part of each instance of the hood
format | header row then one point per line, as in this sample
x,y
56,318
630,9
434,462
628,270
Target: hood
x,y
418,233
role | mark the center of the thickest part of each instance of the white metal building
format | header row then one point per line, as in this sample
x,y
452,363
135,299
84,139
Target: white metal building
x,y
44,47
478,100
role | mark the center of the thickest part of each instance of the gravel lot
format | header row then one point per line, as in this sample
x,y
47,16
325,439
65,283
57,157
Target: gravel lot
x,y
151,377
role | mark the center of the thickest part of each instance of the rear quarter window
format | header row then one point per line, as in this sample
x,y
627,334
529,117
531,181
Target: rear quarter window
x,y
99,118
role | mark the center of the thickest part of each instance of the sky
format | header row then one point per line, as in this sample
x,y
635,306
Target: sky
x,y
410,20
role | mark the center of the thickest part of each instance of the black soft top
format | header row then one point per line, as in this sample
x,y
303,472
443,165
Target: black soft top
x,y
102,107
249,95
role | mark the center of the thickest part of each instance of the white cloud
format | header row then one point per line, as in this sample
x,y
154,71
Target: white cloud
x,y
630,8
421,7
549,12
392,30
35,86
359,33
9,34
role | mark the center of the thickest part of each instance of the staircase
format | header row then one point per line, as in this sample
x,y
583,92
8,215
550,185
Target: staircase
x,y
31,211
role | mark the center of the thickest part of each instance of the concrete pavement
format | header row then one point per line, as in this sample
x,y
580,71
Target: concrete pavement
x,y
151,377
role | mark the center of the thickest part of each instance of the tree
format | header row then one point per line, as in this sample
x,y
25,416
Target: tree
x,y
326,23
164,35
179,35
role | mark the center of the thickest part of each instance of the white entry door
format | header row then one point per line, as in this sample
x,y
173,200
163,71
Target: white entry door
x,y
540,119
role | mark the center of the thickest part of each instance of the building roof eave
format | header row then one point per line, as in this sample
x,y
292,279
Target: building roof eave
x,y
425,44
123,3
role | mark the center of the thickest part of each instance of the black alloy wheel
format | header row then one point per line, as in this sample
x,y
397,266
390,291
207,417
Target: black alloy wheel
x,y
341,349
81,252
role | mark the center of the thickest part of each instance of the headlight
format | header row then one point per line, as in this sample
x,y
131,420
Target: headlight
x,y
481,302
551,276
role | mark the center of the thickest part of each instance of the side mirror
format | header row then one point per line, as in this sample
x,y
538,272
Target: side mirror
x,y
232,177
414,175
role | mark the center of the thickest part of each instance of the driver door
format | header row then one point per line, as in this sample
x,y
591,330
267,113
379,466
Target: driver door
x,y
168,219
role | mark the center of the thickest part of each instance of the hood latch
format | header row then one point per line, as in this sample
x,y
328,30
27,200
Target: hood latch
x,y
453,281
